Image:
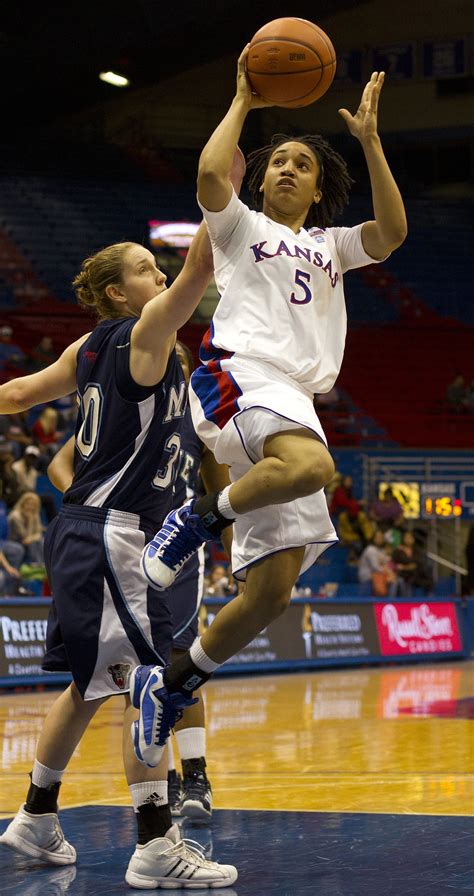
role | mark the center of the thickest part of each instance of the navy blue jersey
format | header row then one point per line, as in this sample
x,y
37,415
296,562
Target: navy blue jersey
x,y
128,437
188,483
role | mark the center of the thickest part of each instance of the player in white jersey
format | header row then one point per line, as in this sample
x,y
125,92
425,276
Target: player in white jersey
x,y
277,337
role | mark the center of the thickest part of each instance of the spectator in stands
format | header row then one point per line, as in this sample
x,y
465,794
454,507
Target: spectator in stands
x,y
15,432
375,569
42,355
355,529
343,498
45,432
219,584
9,577
26,528
9,486
67,408
456,395
412,566
26,470
11,558
12,357
393,536
387,510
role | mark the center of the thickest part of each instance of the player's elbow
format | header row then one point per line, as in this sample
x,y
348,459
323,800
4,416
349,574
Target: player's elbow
x,y
212,182
400,234
14,397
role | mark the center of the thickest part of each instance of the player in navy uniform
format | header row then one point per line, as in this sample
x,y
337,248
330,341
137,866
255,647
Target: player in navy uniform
x,y
106,618
191,796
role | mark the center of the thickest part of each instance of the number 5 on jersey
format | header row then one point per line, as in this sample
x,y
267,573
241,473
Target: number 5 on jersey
x,y
302,279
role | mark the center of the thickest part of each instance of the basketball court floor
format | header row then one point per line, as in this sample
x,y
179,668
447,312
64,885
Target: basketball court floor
x,y
353,782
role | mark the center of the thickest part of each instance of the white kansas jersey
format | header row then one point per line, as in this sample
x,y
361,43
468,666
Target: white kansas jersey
x,y
281,293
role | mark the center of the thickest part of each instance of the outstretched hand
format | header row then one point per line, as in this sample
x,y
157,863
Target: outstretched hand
x,y
244,88
364,123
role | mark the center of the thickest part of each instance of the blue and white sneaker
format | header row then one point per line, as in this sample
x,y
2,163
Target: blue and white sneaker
x,y
180,536
159,710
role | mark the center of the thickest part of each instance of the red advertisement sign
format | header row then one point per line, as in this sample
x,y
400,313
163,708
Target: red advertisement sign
x,y
412,629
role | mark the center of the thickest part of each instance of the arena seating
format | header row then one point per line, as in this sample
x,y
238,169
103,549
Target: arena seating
x,y
49,224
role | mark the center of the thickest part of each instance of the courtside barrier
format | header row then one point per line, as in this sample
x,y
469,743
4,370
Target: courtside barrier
x,y
312,633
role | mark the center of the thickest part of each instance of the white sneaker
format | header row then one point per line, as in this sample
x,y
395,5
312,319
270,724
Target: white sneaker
x,y
39,836
171,863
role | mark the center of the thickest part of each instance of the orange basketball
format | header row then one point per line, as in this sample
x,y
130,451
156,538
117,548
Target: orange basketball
x,y
291,62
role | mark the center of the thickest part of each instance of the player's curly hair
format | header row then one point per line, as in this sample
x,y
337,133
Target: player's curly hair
x,y
334,179
97,272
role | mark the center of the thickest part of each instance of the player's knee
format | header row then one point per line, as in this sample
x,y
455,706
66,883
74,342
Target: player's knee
x,y
312,474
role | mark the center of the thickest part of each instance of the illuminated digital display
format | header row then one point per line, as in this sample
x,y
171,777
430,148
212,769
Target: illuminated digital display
x,y
174,234
427,500
438,499
443,505
408,496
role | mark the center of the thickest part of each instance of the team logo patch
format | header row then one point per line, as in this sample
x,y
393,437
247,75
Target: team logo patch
x,y
192,682
119,673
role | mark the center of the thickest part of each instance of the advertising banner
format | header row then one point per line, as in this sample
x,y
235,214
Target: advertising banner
x,y
416,628
22,637
311,631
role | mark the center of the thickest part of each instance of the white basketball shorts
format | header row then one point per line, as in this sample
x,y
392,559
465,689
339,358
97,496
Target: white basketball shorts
x,y
235,406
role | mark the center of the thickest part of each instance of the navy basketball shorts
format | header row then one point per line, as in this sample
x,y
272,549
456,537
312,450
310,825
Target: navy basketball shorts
x,y
105,617
185,598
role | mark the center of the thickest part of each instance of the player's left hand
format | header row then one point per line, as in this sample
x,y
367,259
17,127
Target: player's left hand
x,y
364,123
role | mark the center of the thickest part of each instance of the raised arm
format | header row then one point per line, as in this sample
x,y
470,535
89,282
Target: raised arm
x,y
154,334
53,382
389,229
215,163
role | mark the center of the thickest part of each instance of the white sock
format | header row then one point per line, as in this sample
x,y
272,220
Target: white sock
x,y
171,762
201,659
42,776
191,742
223,504
149,792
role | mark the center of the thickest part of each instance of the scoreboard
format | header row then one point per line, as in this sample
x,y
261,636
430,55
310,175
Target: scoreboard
x,y
439,499
433,500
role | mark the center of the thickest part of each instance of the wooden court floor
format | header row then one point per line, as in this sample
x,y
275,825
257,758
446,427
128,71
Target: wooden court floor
x,y
356,755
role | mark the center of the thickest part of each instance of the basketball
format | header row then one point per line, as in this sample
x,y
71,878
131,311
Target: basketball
x,y
291,62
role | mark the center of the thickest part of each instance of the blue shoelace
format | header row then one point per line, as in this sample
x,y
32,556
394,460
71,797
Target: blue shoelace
x,y
172,712
181,542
